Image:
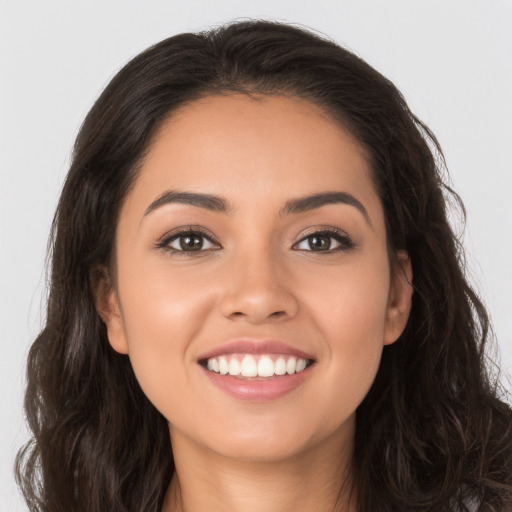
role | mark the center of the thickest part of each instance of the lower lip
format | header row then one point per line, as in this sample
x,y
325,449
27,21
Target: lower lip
x,y
258,390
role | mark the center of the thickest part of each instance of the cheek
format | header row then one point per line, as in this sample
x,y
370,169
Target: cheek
x,y
162,316
163,306
350,312
352,303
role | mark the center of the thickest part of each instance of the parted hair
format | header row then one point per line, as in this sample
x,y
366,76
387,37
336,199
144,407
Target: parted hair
x,y
434,432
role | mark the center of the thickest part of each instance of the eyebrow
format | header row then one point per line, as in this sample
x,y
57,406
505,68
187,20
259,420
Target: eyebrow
x,y
294,206
304,204
207,201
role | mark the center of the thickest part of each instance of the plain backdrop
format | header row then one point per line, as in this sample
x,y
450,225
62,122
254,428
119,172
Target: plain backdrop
x,y
452,59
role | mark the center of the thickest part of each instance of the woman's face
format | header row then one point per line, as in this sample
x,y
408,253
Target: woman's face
x,y
253,241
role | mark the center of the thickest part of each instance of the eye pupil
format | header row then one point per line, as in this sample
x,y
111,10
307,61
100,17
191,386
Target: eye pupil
x,y
320,242
191,242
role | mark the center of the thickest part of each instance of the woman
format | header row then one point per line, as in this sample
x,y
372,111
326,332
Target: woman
x,y
257,302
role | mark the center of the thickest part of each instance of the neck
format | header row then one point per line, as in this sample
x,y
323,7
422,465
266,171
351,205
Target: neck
x,y
319,480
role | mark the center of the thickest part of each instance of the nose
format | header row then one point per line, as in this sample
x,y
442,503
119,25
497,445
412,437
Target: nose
x,y
258,290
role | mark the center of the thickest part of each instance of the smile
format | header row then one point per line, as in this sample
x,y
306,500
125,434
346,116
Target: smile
x,y
250,366
257,370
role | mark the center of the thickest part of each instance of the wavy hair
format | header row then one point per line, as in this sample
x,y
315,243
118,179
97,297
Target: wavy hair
x,y
432,434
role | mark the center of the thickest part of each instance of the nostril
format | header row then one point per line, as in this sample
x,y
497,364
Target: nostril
x,y
277,314
258,305
254,318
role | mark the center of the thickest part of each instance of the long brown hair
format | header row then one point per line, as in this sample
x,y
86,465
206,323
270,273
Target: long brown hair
x,y
432,433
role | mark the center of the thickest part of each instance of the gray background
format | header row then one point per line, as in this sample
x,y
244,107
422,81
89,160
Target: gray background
x,y
452,59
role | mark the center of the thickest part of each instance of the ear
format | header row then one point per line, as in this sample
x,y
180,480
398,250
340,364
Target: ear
x,y
400,298
107,305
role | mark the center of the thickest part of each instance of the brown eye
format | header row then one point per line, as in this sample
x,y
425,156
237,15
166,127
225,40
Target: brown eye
x,y
191,242
188,241
325,241
319,242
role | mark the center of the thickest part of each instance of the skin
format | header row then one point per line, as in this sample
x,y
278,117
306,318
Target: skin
x,y
259,278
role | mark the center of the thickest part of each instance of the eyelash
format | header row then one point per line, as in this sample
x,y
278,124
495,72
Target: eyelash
x,y
168,239
344,241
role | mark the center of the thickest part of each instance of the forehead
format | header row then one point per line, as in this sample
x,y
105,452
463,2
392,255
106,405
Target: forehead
x,y
254,150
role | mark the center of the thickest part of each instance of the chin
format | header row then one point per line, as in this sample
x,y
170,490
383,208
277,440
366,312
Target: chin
x,y
279,440
260,451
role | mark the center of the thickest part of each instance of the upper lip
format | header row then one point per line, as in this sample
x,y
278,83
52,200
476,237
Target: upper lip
x,y
255,347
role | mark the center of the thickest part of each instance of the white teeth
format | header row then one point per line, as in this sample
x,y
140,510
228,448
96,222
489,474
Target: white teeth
x,y
280,366
265,367
213,365
249,368
254,366
291,365
234,366
223,365
301,365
